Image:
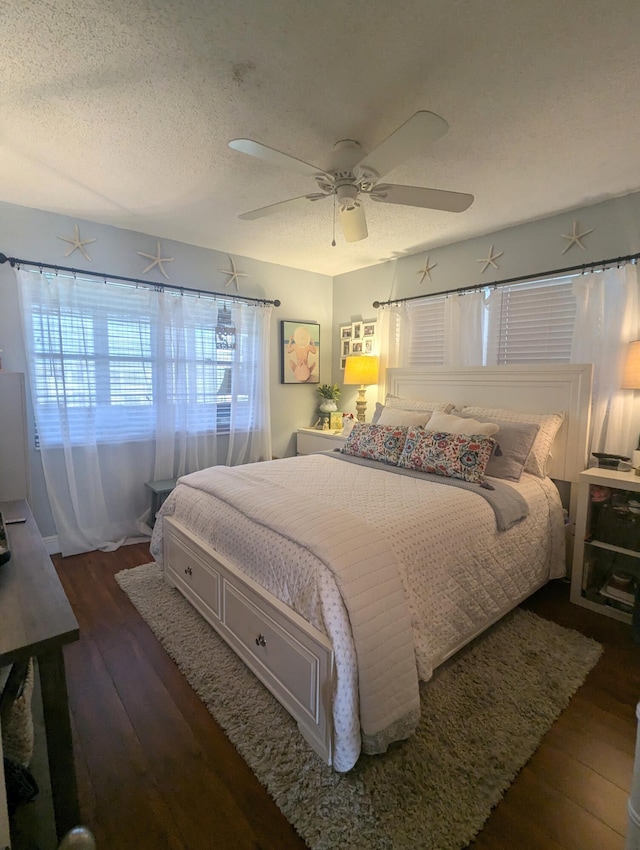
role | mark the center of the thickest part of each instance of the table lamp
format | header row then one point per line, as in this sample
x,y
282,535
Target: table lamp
x,y
631,381
361,369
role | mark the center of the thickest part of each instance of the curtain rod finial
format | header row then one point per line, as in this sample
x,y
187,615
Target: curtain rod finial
x,y
376,304
3,258
277,302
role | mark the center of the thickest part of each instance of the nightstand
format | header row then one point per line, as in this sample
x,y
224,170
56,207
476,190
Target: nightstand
x,y
159,492
311,440
607,540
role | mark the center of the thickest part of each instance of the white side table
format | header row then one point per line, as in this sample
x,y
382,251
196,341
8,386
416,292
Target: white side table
x,y
598,547
311,440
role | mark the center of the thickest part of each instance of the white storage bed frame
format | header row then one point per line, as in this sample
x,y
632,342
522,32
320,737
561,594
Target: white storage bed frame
x,y
293,659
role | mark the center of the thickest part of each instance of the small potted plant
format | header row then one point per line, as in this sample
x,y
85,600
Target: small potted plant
x,y
330,395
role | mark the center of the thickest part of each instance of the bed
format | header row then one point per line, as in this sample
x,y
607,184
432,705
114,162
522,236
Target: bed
x,y
342,581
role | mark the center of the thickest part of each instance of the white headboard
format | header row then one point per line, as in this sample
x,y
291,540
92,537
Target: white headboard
x,y
544,388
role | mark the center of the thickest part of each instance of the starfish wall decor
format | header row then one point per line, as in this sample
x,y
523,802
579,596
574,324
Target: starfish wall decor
x,y
426,271
76,243
490,260
233,274
157,260
574,237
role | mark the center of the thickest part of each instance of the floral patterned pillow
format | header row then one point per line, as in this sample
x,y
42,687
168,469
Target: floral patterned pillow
x,y
452,455
377,442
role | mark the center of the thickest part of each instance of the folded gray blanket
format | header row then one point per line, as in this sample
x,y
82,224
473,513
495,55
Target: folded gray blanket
x,y
509,506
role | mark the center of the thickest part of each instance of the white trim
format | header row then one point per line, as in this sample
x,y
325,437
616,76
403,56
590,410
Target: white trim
x,y
51,545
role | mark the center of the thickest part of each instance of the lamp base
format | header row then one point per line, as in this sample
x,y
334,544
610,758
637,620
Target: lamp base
x,y
361,404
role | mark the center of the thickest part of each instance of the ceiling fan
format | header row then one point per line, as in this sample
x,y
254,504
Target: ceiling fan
x,y
351,175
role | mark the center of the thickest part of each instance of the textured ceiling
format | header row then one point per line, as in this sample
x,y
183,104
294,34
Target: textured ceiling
x,y
120,111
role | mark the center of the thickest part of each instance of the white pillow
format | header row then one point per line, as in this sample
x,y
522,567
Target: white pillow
x,y
394,416
461,425
398,402
549,424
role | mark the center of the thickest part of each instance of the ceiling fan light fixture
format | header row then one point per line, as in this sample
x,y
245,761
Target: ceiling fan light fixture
x,y
347,195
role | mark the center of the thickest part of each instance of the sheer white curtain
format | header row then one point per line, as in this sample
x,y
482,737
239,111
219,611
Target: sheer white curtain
x,y
131,385
392,334
606,321
466,317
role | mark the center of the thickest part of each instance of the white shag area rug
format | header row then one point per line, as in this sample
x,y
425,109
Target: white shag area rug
x,y
483,715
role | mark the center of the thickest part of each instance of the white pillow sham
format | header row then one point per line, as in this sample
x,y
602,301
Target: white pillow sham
x,y
549,424
417,404
451,424
397,416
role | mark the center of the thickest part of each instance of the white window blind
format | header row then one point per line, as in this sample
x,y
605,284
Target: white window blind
x,y
114,359
532,322
426,332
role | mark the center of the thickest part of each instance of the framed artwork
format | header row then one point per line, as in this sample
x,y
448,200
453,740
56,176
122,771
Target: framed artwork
x,y
343,362
356,330
356,346
345,332
369,328
346,347
369,345
299,352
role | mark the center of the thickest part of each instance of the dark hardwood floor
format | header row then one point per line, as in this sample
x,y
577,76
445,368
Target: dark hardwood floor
x,y
155,771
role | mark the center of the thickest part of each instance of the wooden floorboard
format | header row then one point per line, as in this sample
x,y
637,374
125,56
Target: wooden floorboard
x,y
156,771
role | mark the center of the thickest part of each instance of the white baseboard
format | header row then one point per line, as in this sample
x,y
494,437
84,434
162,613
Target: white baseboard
x,y
51,544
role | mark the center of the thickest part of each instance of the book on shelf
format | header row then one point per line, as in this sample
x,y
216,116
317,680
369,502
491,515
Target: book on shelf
x,y
612,590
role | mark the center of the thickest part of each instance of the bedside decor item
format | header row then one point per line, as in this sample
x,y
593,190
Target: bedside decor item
x,y
361,370
330,393
299,352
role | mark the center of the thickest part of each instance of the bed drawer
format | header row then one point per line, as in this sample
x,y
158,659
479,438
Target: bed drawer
x,y
277,648
290,656
198,580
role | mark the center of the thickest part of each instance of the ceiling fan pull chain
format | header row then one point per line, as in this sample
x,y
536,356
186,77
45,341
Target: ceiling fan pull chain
x,y
333,241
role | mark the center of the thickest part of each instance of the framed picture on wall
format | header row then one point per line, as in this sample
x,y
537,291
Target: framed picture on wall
x,y
369,328
299,352
345,332
356,330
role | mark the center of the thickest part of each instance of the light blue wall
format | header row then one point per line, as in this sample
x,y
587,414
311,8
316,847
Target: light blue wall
x,y
527,250
32,235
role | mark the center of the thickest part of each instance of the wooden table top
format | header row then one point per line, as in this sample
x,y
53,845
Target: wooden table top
x,y
35,614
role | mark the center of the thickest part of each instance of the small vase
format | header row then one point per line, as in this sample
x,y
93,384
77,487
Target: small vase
x,y
329,405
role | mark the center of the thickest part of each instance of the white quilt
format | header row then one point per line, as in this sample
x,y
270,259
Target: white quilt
x,y
458,572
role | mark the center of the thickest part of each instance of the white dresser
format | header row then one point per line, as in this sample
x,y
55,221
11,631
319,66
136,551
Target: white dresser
x,y
14,454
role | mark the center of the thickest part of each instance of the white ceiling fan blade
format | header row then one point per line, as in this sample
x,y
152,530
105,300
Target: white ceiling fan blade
x,y
416,196
354,224
282,205
410,139
275,157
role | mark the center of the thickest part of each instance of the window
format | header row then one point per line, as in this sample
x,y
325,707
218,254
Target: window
x,y
427,332
532,322
117,358
522,323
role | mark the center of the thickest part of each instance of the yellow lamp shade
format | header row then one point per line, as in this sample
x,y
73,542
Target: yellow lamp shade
x,y
361,369
631,377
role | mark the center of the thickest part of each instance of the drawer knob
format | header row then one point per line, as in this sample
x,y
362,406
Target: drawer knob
x,y
261,640
188,571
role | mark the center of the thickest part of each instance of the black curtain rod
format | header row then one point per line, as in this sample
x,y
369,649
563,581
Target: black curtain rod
x,y
539,276
14,261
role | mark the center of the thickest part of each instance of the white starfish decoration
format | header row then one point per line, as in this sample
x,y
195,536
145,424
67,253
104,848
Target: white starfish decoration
x,y
574,237
426,271
157,260
77,243
233,274
490,260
